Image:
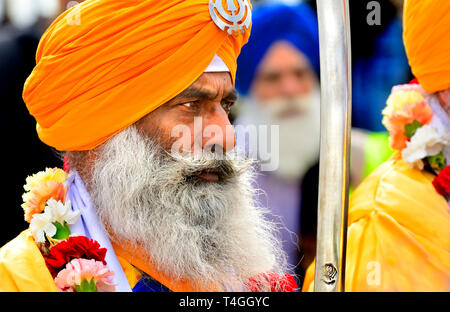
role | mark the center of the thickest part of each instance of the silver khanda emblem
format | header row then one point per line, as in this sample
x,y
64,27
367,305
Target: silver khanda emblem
x,y
236,21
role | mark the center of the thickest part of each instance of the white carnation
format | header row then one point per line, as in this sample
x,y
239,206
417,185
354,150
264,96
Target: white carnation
x,y
41,225
55,211
59,212
427,141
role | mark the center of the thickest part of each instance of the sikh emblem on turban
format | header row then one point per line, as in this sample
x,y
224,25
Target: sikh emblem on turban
x,y
233,17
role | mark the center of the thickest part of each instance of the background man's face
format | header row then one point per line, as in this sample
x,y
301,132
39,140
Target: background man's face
x,y
284,72
285,92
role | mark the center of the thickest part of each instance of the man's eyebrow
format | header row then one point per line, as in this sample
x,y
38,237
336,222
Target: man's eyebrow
x,y
275,71
232,95
195,92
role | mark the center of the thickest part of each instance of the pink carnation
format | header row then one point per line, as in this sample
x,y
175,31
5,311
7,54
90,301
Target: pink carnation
x,y
419,111
410,87
78,270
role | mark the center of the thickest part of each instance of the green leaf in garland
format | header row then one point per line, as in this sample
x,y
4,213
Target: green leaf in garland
x,y
86,286
62,231
411,128
437,162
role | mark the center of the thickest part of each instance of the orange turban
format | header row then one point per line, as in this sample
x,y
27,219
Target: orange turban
x,y
123,60
427,41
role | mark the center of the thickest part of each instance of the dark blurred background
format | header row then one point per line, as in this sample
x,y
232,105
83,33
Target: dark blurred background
x,y
22,24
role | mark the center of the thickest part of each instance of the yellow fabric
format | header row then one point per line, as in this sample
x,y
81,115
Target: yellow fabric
x,y
131,273
124,59
22,267
398,233
426,25
308,283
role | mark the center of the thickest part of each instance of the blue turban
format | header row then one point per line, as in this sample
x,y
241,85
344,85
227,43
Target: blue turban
x,y
295,24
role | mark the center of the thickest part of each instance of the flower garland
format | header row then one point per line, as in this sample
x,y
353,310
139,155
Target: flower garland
x,y
77,264
416,131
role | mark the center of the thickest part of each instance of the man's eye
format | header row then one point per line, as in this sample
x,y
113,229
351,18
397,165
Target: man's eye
x,y
190,105
271,77
227,105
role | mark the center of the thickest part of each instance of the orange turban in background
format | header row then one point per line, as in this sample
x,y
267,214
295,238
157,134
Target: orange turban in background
x,y
124,59
426,36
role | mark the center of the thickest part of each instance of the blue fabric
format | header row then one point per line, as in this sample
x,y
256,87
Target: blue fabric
x,y
374,77
295,24
148,284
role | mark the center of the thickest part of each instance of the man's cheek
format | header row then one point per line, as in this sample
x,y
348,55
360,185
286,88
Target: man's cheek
x,y
180,141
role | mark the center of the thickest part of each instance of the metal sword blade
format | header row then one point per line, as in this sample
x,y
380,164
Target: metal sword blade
x,y
335,71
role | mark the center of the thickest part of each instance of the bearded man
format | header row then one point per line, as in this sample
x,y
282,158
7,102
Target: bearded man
x,y
138,95
399,218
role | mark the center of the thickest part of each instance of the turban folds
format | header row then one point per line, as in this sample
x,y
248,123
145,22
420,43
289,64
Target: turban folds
x,y
427,41
294,24
124,59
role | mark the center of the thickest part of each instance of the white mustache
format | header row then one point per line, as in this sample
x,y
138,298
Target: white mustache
x,y
286,107
228,166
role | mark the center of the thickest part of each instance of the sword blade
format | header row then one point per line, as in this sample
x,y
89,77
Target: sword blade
x,y
335,63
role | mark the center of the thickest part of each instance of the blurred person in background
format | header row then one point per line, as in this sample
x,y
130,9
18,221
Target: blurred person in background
x,y
399,217
278,77
23,25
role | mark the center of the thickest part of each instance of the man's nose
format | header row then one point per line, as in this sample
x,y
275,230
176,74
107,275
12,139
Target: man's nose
x,y
218,133
290,87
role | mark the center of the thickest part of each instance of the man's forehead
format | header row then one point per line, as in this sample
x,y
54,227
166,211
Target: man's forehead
x,y
283,55
211,85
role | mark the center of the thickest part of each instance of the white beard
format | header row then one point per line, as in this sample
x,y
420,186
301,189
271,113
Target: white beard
x,y
299,135
204,232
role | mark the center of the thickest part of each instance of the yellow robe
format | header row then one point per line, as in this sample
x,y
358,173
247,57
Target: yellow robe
x,y
398,233
23,269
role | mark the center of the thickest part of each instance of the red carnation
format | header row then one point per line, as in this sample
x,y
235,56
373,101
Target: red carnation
x,y
73,248
285,284
442,181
